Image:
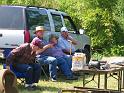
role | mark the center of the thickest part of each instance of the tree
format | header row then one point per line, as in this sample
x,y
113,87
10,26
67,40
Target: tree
x,y
97,17
103,20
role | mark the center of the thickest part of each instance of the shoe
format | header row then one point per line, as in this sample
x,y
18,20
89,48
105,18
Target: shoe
x,y
27,85
34,85
72,78
30,88
77,74
54,80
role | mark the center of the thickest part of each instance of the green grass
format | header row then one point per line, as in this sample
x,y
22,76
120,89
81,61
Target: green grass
x,y
53,87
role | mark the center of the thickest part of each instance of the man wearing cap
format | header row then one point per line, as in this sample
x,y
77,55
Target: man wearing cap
x,y
43,57
65,40
66,43
22,60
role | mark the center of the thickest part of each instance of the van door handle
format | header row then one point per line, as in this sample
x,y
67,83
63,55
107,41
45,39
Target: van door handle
x,y
1,35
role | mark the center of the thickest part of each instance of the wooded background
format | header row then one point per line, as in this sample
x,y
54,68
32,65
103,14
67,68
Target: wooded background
x,y
103,20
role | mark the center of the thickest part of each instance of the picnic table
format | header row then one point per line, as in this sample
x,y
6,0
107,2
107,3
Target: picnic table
x,y
118,70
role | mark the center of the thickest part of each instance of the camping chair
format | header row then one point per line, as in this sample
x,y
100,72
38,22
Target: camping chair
x,y
43,70
19,75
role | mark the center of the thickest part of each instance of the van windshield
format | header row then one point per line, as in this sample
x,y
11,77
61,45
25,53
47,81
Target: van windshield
x,y
70,24
11,18
57,22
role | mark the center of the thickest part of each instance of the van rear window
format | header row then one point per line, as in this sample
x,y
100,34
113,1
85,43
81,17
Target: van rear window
x,y
11,18
38,17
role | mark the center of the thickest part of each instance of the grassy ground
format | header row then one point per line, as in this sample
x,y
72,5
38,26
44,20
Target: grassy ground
x,y
53,87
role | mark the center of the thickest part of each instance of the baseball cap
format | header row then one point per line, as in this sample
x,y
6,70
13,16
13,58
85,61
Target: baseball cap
x,y
39,28
64,29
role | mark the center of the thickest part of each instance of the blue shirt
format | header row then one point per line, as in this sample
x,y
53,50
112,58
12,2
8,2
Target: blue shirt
x,y
56,51
64,44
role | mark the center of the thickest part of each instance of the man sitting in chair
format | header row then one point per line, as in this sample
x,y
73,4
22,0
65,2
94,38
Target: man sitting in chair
x,y
65,40
22,59
42,58
66,43
62,59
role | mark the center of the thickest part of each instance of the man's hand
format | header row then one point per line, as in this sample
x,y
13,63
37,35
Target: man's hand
x,y
71,40
44,48
49,46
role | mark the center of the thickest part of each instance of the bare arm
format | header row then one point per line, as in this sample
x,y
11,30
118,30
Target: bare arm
x,y
44,48
73,41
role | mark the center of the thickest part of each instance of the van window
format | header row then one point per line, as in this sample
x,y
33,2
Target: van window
x,y
57,22
69,24
37,17
11,18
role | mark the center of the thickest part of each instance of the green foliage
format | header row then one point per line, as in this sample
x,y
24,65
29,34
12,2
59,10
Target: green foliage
x,y
74,8
103,20
43,3
114,51
100,20
97,56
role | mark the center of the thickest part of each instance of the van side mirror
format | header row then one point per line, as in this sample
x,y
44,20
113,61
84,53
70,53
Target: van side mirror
x,y
81,31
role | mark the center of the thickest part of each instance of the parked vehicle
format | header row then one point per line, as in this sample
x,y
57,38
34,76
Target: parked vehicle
x,y
17,24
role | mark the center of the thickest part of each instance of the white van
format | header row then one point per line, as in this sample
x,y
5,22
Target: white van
x,y
17,24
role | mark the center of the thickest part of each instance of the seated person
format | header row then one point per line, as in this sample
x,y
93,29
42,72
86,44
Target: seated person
x,y
22,59
65,40
57,51
44,58
62,59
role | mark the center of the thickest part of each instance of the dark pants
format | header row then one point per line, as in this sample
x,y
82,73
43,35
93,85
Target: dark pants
x,y
33,71
62,62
